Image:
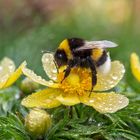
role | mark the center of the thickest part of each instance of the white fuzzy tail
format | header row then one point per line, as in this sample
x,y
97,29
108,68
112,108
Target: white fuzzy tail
x,y
105,68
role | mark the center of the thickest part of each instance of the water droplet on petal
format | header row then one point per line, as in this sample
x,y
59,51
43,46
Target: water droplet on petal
x,y
108,81
54,70
91,101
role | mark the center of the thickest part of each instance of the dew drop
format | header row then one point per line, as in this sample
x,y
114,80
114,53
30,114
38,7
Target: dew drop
x,y
54,78
114,77
54,70
47,59
110,109
100,124
120,101
91,101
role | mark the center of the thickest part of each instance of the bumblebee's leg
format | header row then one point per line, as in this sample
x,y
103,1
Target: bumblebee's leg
x,y
71,64
93,72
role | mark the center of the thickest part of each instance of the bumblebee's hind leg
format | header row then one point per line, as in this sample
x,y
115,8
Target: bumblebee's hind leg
x,y
93,72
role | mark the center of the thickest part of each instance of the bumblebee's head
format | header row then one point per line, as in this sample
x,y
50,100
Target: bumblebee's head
x,y
64,51
60,57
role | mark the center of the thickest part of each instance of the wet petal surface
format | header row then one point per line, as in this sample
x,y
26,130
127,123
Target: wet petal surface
x,y
15,75
68,99
49,66
110,80
7,66
38,79
106,102
10,78
43,99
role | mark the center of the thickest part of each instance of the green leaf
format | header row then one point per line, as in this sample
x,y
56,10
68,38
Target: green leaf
x,y
12,128
8,97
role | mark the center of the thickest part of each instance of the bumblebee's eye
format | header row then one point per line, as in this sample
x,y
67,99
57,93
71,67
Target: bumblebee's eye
x,y
60,57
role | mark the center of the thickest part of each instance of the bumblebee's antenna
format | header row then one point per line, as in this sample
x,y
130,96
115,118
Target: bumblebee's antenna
x,y
44,51
56,66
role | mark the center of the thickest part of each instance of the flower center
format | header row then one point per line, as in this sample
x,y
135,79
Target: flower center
x,y
73,80
79,80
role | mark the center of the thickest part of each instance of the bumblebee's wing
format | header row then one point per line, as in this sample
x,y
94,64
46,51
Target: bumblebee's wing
x,y
97,44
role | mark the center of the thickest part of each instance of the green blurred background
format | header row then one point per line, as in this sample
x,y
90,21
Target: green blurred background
x,y
27,27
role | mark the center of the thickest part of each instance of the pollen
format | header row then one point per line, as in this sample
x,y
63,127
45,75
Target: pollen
x,y
78,81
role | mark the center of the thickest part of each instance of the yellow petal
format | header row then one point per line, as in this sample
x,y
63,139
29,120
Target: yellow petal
x,y
106,102
3,81
49,66
110,80
43,99
135,65
7,66
13,76
38,79
68,99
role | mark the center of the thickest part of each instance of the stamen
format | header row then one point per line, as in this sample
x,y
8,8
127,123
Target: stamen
x,y
78,81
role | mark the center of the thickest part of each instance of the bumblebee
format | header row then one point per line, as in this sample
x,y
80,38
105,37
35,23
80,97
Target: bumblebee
x,y
77,52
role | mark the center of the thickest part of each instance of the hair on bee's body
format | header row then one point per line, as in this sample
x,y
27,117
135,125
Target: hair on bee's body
x,y
76,52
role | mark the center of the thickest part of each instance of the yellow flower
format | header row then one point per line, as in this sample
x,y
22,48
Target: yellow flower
x,y
135,65
8,74
76,87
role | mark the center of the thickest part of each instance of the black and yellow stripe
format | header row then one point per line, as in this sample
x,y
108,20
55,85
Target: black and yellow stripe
x,y
66,48
66,51
99,56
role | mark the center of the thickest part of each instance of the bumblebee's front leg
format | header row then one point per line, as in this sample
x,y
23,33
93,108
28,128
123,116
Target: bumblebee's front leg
x,y
93,72
71,64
